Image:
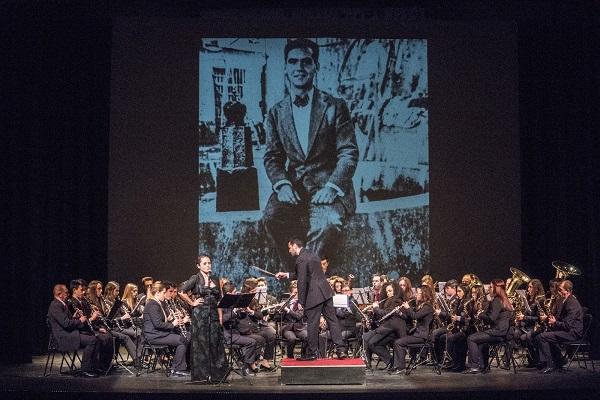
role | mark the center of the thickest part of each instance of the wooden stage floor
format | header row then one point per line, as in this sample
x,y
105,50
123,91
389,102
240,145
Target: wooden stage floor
x,y
27,381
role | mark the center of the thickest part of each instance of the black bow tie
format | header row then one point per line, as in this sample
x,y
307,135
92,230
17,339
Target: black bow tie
x,y
301,101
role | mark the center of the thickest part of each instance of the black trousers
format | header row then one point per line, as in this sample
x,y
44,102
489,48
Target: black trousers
x,y
548,346
90,346
313,315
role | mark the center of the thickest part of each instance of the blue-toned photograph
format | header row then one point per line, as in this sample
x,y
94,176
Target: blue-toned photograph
x,y
324,139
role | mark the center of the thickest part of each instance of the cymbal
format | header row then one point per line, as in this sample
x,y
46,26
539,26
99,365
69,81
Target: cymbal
x,y
570,269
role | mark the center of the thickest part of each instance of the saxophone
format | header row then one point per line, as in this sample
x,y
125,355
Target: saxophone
x,y
479,324
451,327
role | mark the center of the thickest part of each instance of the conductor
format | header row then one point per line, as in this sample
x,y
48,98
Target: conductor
x,y
316,297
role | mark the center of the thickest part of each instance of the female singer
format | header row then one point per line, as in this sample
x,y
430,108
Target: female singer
x,y
208,351
423,314
498,315
393,327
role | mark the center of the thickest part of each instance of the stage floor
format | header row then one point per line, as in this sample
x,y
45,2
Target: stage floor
x,y
27,381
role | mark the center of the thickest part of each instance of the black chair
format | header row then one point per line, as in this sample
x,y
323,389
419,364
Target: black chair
x,y
234,354
156,357
423,353
502,352
580,350
69,358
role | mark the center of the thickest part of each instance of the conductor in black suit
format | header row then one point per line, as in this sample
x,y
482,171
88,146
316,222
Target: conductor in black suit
x,y
310,159
316,297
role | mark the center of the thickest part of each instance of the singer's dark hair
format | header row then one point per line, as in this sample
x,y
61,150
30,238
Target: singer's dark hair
x,y
201,256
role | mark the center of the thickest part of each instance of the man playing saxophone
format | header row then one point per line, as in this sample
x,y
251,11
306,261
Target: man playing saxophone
x,y
565,325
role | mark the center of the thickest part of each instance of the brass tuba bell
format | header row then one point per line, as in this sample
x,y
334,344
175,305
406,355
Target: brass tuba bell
x,y
564,269
518,278
474,281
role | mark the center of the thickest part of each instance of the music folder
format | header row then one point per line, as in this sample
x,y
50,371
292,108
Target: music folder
x,y
114,309
236,300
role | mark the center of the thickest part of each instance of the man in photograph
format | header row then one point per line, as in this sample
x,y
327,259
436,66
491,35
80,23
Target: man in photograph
x,y
310,159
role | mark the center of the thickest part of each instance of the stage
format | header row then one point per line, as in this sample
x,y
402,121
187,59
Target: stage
x,y
27,381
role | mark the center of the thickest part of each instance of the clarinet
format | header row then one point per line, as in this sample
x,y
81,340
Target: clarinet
x,y
181,329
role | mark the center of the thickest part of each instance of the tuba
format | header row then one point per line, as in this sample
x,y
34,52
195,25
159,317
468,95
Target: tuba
x,y
564,269
475,281
518,278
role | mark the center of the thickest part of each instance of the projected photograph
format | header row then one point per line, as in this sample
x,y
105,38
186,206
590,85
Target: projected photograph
x,y
325,139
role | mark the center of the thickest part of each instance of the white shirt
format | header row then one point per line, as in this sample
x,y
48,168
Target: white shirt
x,y
302,121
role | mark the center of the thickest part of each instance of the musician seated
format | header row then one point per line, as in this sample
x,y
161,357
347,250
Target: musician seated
x,y
293,328
349,318
392,325
422,314
160,327
566,325
96,325
67,329
498,316
253,322
446,300
122,326
528,321
250,344
457,330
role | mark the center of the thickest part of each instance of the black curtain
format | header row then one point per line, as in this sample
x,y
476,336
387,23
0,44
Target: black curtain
x,y
57,83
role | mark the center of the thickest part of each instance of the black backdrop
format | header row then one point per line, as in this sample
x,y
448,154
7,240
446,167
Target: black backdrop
x,y
56,79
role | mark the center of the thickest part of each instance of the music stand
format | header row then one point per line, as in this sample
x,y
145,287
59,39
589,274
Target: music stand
x,y
232,301
361,295
110,317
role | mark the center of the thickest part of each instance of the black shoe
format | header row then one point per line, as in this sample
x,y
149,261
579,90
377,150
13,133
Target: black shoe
x,y
392,370
473,371
247,370
541,366
548,370
180,373
307,358
87,374
341,354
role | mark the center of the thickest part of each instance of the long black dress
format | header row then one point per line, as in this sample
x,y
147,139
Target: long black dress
x,y
208,351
